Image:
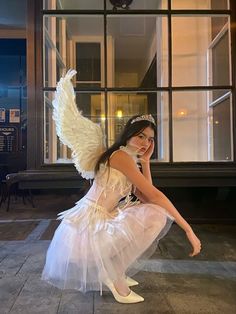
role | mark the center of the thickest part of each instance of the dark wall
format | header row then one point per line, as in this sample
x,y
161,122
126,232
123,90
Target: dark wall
x,y
204,204
13,96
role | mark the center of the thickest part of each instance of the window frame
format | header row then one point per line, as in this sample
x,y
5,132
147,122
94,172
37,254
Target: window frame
x,y
38,80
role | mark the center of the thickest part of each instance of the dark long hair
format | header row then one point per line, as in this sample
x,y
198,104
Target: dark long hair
x,y
130,130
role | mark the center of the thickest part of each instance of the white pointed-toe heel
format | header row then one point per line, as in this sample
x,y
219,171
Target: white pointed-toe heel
x,y
132,297
131,282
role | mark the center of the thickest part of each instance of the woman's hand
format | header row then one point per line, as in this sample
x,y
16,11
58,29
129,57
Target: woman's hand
x,y
147,155
195,242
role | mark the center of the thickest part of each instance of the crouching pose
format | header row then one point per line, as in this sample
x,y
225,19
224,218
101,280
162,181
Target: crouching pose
x,y
102,241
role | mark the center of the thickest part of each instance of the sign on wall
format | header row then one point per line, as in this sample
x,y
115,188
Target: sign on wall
x,y
2,114
14,116
8,139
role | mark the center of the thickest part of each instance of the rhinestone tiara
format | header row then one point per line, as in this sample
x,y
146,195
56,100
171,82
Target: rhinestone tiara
x,y
146,117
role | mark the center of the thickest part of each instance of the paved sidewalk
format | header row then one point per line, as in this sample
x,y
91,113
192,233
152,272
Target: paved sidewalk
x,y
170,283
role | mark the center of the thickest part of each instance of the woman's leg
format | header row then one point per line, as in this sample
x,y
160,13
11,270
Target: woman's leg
x,y
130,253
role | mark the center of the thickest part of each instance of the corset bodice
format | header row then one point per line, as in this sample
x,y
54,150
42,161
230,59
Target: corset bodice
x,y
109,186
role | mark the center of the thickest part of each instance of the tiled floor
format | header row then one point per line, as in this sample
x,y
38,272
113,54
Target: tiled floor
x,y
171,282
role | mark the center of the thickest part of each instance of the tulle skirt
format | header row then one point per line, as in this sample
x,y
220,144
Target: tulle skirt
x,y
91,243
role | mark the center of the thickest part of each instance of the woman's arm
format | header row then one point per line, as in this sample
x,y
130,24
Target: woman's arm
x,y
125,164
140,196
146,171
145,162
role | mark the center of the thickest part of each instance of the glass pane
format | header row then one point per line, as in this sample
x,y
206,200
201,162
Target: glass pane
x,y
74,42
92,106
73,4
202,126
200,4
137,5
137,51
201,51
122,106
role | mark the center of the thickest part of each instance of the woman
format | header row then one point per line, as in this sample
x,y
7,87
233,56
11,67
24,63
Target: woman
x,y
102,239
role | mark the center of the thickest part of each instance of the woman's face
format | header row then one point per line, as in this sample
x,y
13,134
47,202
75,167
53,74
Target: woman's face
x,y
141,142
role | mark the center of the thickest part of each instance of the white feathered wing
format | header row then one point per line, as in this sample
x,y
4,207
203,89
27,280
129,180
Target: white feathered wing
x,y
84,137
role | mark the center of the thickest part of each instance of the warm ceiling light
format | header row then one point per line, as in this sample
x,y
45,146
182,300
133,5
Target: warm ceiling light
x,y
119,113
182,113
103,117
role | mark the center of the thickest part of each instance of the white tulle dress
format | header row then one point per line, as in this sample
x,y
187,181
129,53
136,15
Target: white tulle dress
x,y
100,236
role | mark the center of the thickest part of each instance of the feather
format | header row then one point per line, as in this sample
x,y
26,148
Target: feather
x,y
84,137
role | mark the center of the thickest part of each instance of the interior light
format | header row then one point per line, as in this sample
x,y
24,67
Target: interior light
x,y
103,117
182,113
119,114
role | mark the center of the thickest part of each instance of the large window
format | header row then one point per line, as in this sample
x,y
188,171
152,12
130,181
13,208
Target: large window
x,y
168,58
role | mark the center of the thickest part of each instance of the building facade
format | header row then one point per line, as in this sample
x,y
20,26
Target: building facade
x,y
174,59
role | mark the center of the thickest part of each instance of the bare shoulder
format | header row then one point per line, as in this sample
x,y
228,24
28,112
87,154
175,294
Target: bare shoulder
x,y
120,158
122,161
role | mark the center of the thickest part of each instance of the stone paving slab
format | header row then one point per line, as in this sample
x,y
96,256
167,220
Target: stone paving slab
x,y
11,264
37,296
49,232
218,243
23,247
154,303
10,288
37,232
217,269
3,252
163,293
191,293
168,284
74,302
16,230
33,265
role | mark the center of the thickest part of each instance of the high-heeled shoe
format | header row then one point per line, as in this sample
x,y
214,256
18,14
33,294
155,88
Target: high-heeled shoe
x,y
131,282
132,297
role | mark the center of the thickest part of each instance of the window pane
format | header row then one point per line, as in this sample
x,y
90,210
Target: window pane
x,y
201,54
74,42
202,126
137,51
122,106
73,4
88,64
92,106
139,5
200,4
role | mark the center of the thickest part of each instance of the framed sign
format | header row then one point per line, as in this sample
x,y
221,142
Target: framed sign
x,y
14,116
2,115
